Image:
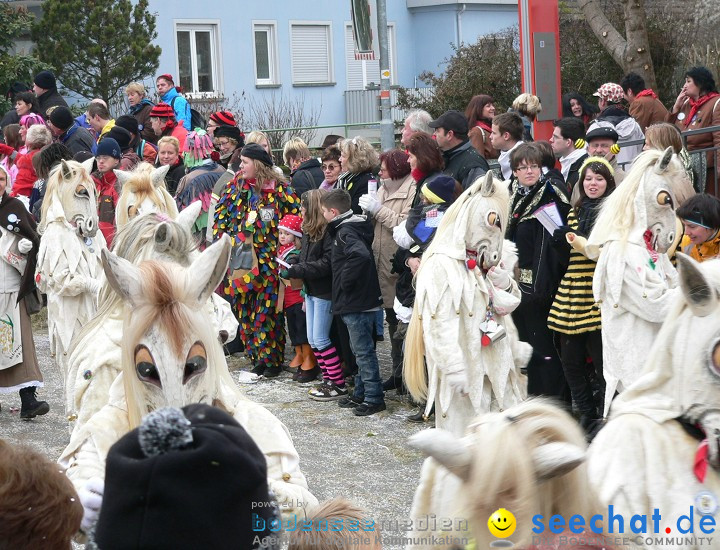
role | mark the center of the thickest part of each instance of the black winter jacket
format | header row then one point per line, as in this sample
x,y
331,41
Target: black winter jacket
x,y
77,139
465,164
48,100
313,266
357,185
355,286
307,176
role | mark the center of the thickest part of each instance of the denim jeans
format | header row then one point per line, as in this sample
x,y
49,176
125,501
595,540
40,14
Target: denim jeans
x,y
318,318
368,384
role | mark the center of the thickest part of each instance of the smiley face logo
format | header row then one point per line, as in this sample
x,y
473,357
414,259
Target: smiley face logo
x,y
501,523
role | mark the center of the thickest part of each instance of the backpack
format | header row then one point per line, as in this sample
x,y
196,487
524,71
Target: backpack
x,y
196,119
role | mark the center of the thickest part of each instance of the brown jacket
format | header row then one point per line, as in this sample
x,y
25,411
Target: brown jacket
x,y
707,115
647,110
480,139
394,208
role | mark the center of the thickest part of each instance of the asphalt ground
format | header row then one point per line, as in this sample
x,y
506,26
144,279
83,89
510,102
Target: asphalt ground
x,y
364,459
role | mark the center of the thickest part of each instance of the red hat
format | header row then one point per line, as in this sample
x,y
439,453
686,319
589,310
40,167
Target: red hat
x,y
167,77
223,118
292,224
610,92
162,110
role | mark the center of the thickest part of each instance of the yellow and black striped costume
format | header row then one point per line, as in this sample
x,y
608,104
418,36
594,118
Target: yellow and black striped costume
x,y
574,310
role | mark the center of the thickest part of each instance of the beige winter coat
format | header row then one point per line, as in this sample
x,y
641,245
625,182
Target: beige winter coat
x,y
394,208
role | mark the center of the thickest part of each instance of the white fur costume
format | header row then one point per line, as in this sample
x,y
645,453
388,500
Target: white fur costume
x,y
69,270
633,292
643,459
451,302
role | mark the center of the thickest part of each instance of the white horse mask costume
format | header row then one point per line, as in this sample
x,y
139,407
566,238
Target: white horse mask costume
x,y
172,357
453,299
650,455
528,460
69,269
143,191
94,359
634,280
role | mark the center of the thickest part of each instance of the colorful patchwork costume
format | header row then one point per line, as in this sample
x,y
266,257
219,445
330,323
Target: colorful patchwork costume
x,y
244,214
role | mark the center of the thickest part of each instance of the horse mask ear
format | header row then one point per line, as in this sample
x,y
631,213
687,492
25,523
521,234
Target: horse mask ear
x,y
158,175
662,164
187,217
66,170
556,459
697,290
123,177
488,185
88,164
123,276
444,447
208,270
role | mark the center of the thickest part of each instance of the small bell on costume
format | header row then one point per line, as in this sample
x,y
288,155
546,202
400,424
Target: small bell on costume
x,y
491,330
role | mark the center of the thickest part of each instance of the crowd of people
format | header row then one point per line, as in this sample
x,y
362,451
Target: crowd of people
x,y
330,252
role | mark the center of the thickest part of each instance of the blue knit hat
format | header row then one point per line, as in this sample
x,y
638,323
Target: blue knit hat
x,y
109,147
439,190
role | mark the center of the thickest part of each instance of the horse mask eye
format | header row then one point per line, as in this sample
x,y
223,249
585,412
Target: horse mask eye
x,y
493,220
664,198
196,362
145,366
715,359
82,191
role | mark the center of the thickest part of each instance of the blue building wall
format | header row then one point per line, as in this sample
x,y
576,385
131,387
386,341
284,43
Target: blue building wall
x,y
423,38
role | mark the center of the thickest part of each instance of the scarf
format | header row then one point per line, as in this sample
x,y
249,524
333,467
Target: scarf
x,y
140,106
13,214
647,93
695,105
418,175
587,213
525,201
567,161
484,125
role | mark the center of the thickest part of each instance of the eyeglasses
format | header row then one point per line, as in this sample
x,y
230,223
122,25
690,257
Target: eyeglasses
x,y
222,143
530,168
330,167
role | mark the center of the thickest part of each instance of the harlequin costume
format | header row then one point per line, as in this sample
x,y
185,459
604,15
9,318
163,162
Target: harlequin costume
x,y
243,213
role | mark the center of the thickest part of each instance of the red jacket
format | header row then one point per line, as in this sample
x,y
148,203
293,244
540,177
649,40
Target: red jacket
x,y
26,175
107,201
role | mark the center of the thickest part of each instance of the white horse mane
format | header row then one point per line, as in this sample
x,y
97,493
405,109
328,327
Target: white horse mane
x,y
527,459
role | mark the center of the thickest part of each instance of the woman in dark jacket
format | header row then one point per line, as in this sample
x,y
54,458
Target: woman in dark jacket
x,y
359,160
314,269
541,266
140,107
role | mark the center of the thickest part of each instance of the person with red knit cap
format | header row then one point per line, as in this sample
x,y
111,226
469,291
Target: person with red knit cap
x,y
164,123
217,119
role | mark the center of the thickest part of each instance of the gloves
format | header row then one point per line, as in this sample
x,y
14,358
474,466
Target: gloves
x,y
401,236
499,277
369,203
25,246
458,382
91,499
93,286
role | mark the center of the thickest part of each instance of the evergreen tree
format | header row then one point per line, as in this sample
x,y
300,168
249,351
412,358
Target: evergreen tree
x,y
96,47
14,66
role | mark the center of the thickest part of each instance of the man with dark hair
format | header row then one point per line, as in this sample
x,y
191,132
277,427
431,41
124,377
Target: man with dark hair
x,y
66,130
45,88
645,107
506,135
99,119
462,161
568,144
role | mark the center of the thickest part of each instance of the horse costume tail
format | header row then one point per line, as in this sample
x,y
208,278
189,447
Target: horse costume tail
x,y
414,371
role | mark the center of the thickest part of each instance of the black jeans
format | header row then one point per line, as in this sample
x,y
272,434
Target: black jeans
x,y
575,349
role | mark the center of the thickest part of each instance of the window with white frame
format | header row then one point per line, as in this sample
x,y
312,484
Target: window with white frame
x,y
265,47
198,57
311,52
362,73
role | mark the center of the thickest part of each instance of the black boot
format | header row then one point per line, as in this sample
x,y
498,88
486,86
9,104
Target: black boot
x,y
31,407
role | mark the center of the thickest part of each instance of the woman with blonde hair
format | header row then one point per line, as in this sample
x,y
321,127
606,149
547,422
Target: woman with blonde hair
x,y
169,155
528,107
662,135
248,211
140,107
358,160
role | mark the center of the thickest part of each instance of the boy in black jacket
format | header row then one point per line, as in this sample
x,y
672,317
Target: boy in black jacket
x,y
356,296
